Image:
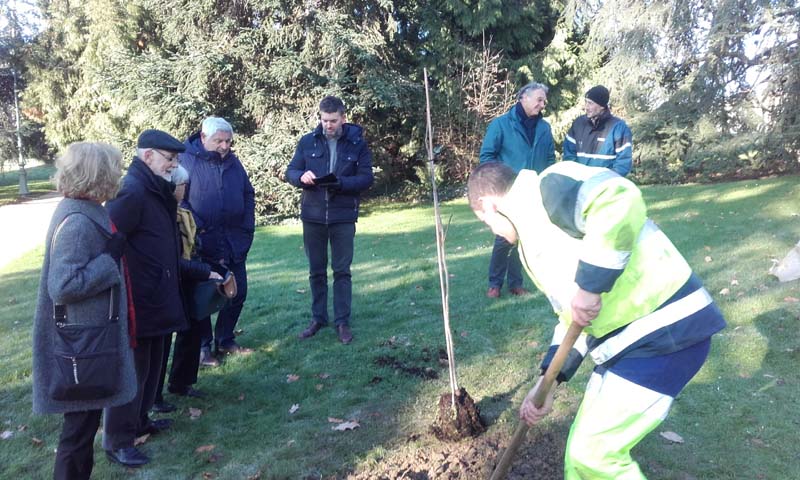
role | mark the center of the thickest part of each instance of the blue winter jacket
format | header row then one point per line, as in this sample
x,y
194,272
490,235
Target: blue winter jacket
x,y
353,169
608,143
222,200
506,142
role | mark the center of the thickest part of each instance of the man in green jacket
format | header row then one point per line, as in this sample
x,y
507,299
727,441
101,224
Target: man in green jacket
x,y
521,139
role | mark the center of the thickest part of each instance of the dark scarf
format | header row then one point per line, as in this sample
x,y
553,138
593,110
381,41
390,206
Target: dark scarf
x,y
528,123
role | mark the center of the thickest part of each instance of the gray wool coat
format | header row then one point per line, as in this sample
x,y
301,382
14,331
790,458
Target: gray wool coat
x,y
78,274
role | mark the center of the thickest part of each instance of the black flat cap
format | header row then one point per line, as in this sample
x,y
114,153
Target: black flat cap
x,y
160,140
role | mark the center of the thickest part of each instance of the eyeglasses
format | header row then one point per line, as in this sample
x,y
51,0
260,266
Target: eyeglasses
x,y
169,158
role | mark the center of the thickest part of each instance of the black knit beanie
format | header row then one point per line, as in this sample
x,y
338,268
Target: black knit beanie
x,y
599,95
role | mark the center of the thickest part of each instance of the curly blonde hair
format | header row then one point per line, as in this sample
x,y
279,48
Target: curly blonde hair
x,y
89,170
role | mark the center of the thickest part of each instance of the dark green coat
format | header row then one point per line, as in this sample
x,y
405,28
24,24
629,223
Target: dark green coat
x,y
506,142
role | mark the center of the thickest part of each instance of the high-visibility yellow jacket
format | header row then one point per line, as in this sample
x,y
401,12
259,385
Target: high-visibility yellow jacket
x,y
588,227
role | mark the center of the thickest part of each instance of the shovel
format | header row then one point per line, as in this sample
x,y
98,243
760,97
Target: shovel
x,y
539,397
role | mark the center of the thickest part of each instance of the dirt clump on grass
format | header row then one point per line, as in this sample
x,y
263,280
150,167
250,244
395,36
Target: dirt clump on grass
x,y
423,372
464,422
540,457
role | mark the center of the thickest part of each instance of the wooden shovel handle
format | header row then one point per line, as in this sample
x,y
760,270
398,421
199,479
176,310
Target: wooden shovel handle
x,y
539,397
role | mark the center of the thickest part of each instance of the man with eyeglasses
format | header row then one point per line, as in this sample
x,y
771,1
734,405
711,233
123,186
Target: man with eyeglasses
x,y
521,139
144,211
222,200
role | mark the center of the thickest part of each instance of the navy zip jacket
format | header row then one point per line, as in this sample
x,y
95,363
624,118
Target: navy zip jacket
x,y
222,201
144,210
353,169
607,143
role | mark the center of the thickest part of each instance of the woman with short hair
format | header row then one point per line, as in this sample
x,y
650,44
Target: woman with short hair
x,y
82,331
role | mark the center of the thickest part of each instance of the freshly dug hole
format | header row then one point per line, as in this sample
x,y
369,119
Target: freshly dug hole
x,y
466,423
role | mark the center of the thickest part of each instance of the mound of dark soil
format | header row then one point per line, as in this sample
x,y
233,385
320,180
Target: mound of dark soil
x,y
456,425
540,457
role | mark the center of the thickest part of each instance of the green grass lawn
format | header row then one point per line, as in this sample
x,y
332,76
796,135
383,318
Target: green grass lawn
x,y
38,183
738,417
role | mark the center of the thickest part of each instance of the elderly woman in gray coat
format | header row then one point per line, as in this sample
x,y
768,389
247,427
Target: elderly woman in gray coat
x,y
82,355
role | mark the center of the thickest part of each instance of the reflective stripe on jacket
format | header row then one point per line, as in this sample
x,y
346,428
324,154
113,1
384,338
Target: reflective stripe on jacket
x,y
587,226
609,143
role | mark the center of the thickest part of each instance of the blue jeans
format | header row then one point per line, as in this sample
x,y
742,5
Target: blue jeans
x,y
316,237
505,259
227,318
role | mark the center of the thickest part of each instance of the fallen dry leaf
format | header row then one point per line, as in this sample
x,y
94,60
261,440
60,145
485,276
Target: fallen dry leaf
x,y
238,331
533,344
672,437
208,475
22,428
292,378
294,408
791,300
758,442
204,448
734,282
351,425
335,420
140,440
318,386
194,413
324,376
708,259
301,290
6,435
37,441
255,476
725,291
464,334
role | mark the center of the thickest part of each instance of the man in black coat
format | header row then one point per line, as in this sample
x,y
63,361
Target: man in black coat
x,y
332,165
145,211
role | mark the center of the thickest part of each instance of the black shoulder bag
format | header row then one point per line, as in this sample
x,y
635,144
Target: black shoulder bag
x,y
86,355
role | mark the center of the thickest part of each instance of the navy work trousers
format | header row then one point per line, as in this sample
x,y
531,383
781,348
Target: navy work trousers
x,y
505,259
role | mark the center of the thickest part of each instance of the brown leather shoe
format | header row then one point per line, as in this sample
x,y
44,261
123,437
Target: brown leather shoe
x,y
207,359
234,349
519,291
345,336
493,292
311,330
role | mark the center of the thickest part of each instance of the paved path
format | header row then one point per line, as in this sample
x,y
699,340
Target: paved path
x,y
24,226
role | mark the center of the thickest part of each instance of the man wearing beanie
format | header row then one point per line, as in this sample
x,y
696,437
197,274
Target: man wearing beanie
x,y
599,139
521,139
145,211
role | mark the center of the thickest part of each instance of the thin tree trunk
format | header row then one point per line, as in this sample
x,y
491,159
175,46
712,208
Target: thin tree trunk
x,y
444,281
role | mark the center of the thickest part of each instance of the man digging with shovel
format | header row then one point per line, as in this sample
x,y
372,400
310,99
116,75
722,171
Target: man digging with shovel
x,y
586,242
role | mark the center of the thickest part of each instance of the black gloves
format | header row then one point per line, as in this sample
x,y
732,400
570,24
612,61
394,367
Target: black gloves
x,y
115,246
